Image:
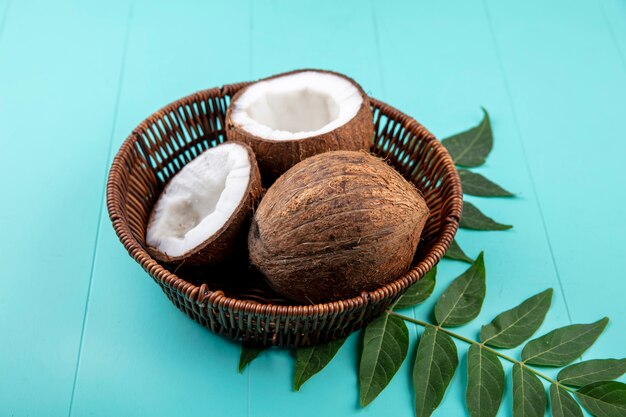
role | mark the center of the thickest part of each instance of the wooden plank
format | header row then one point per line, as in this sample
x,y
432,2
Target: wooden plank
x,y
291,35
138,349
568,91
57,97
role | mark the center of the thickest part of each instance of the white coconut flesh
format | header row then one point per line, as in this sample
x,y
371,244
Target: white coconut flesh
x,y
199,200
297,106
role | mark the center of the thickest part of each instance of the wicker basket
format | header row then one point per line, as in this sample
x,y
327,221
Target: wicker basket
x,y
233,300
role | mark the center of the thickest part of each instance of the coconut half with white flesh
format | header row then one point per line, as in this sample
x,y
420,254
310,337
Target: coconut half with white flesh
x,y
202,210
290,117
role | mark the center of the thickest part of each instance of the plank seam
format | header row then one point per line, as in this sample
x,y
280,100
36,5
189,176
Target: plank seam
x,y
378,49
251,40
524,154
251,76
102,203
620,53
3,17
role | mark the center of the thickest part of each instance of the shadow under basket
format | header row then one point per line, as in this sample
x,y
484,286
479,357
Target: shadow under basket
x,y
233,299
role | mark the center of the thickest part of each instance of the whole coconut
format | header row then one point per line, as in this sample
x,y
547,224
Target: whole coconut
x,y
334,225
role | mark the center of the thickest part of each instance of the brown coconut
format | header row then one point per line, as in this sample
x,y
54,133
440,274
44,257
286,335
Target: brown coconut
x,y
334,225
277,156
221,244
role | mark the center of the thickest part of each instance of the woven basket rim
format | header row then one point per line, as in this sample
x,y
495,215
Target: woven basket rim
x,y
202,294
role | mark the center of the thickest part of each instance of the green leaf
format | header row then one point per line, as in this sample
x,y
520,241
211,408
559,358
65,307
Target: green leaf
x,y
471,147
485,382
595,370
462,300
311,360
562,404
514,326
455,252
563,345
473,218
478,185
419,291
604,398
248,354
529,396
435,363
385,344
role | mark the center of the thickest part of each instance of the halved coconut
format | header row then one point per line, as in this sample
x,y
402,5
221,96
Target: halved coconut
x,y
289,117
198,217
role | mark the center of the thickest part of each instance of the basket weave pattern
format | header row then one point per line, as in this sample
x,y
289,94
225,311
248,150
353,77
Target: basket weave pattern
x,y
229,305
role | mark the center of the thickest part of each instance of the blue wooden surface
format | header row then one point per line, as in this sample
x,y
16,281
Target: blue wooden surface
x,y
84,331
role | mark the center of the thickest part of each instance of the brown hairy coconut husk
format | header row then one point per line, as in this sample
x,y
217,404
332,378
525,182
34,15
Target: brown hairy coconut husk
x,y
201,214
292,116
334,225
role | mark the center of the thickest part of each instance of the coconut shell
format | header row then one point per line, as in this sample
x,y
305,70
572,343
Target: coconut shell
x,y
334,225
276,156
228,239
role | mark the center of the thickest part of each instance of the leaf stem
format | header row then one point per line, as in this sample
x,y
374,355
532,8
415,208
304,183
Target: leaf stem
x,y
482,345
